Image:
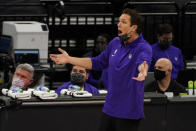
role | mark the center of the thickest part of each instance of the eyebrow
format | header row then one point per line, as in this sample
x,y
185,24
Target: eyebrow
x,y
158,67
78,70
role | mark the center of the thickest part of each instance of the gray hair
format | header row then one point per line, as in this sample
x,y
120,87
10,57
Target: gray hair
x,y
26,67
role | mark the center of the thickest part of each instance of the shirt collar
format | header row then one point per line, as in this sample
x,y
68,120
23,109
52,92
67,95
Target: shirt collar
x,y
135,42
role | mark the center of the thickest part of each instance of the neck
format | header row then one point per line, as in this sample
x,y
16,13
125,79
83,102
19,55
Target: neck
x,y
24,88
82,86
133,37
164,83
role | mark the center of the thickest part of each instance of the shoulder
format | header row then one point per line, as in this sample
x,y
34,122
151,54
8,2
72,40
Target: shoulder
x,y
91,88
177,86
87,85
144,46
115,40
65,85
175,48
155,45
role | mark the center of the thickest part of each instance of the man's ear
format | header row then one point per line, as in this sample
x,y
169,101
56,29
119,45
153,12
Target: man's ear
x,y
158,37
134,27
87,75
169,71
31,81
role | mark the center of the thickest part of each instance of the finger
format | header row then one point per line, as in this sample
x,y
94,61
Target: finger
x,y
145,65
53,59
140,77
52,55
136,78
61,50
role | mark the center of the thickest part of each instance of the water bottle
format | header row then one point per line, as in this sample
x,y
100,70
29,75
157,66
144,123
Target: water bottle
x,y
194,87
15,89
43,88
190,87
74,88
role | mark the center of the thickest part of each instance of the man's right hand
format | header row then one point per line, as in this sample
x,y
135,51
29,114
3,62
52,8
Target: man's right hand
x,y
62,58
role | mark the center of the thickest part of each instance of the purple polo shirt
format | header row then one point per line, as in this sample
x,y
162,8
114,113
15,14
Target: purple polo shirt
x,y
125,96
87,87
172,53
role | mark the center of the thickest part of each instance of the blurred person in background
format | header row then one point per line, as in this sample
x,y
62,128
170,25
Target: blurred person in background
x,y
79,75
164,49
163,81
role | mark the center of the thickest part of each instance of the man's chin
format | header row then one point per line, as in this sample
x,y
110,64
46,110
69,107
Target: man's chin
x,y
119,35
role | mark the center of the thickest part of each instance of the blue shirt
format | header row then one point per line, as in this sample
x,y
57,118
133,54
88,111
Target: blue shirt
x,y
104,78
87,87
172,53
125,96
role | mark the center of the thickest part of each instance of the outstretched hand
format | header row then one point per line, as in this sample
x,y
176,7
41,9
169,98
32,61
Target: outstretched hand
x,y
143,69
60,58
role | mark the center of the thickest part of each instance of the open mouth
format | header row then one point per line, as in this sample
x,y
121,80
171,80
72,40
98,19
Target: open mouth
x,y
119,32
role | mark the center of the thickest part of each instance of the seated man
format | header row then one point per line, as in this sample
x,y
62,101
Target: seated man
x,y
22,78
163,81
165,49
79,75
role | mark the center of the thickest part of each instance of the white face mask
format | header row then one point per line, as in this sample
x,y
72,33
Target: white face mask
x,y
17,82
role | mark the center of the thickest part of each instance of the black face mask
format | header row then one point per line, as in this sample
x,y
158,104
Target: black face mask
x,y
165,44
77,79
158,74
124,38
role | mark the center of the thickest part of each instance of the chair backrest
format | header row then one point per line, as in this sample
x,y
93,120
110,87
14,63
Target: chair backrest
x,y
149,78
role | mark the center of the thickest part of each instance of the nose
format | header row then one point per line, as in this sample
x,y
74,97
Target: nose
x,y
118,25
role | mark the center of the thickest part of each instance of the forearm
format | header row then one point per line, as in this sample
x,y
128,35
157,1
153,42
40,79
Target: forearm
x,y
83,62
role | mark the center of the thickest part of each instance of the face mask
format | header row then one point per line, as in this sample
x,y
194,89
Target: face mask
x,y
17,84
77,79
124,38
158,74
165,44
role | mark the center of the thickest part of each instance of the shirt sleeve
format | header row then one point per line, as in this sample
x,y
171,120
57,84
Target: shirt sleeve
x,y
145,55
101,61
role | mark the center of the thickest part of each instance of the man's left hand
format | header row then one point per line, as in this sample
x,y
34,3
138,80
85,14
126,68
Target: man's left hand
x,y
143,69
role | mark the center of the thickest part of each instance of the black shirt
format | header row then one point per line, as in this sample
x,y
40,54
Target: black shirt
x,y
174,87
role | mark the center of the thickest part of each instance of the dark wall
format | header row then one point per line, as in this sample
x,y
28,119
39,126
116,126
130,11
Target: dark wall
x,y
71,27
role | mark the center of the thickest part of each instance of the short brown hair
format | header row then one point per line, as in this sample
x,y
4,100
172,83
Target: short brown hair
x,y
136,18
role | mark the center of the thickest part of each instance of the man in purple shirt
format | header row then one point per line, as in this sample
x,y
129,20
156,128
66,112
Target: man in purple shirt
x,y
164,49
127,58
79,75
